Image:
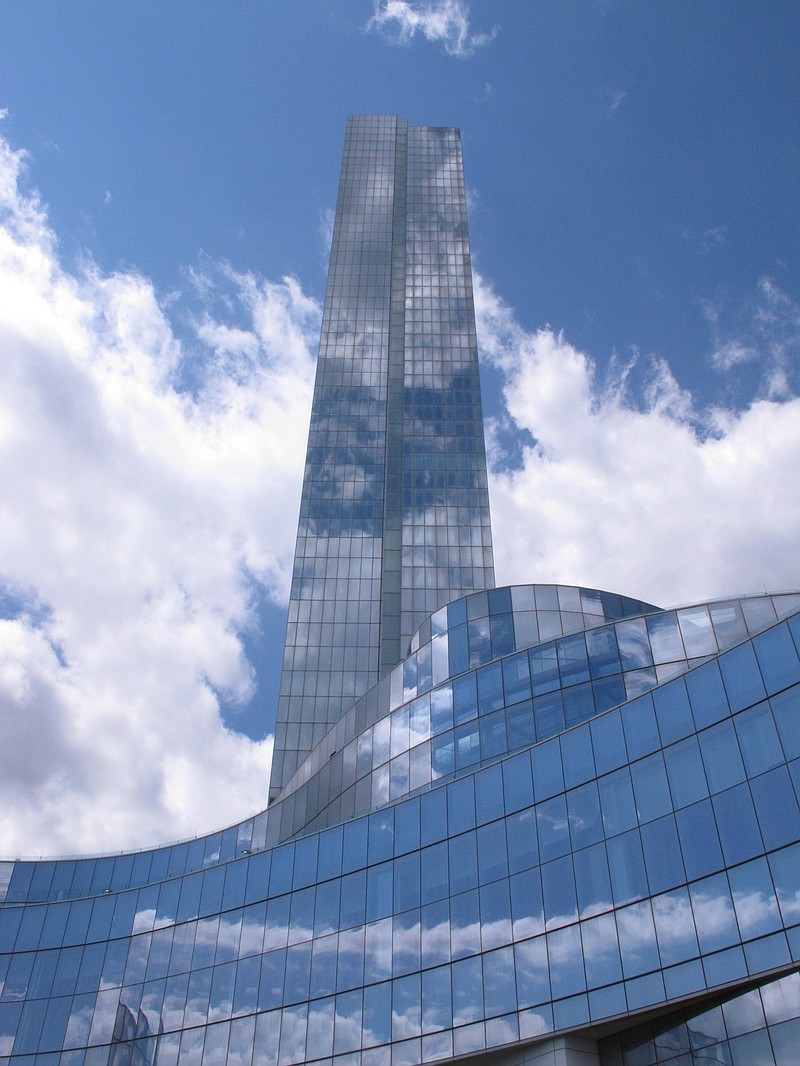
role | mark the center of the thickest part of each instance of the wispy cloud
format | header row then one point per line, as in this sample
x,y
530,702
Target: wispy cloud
x,y
150,488
616,102
442,21
635,488
764,340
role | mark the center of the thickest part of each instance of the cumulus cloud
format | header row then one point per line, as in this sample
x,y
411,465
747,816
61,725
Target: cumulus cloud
x,y
150,488
443,21
635,489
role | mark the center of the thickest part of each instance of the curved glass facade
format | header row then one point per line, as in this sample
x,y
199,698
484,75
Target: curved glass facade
x,y
645,854
563,828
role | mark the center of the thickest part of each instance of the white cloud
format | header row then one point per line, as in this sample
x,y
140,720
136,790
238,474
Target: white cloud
x,y
638,494
445,21
616,102
138,518
768,338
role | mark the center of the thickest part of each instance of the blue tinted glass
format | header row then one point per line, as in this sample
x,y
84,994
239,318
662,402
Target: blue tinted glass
x,y
280,878
721,756
643,991
211,895
480,641
544,669
626,865
532,972
578,704
776,808
499,601
527,907
502,634
379,891
465,937
673,712
650,787
257,877
608,743
434,872
437,1009
637,939
785,867
687,779
326,909
737,826
442,755
586,825
441,709
558,891
500,993
707,694
714,917
725,966
592,880
758,738
572,660
492,853
777,658
517,781
517,678
523,848
463,863
406,953
467,746
754,899
665,638
742,677
407,827
552,825
433,811
616,801
699,840
786,711
495,904
677,939
381,837
456,613
467,990
520,729
697,632
492,732
634,645
641,730
566,961
608,693
600,950
577,756
548,715
768,953
458,650
353,899
604,656
489,794
662,855
460,806
547,775
465,698
490,688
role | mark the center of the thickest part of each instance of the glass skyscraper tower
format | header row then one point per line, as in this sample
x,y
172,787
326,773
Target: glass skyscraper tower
x,y
394,518
540,825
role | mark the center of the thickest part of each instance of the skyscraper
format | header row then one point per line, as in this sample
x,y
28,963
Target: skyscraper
x,y
538,824
394,518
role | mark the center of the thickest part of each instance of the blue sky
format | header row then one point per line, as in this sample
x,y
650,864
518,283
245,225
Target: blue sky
x,y
167,181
